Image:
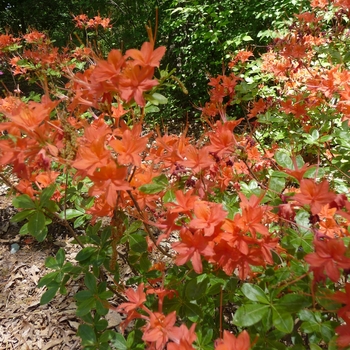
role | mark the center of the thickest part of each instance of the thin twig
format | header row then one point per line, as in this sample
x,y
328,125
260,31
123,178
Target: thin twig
x,y
65,223
147,227
220,316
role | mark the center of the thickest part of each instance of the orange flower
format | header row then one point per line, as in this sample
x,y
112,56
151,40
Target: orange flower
x,y
159,328
185,202
108,180
47,178
319,3
209,216
191,248
134,81
182,338
329,256
243,56
258,107
315,195
222,140
130,146
343,298
343,331
34,37
196,159
147,56
108,71
136,299
28,117
92,156
230,342
297,172
252,216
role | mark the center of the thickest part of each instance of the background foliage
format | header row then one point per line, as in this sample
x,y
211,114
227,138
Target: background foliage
x,y
200,36
255,210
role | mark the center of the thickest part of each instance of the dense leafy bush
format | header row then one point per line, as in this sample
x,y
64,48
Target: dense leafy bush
x,y
237,239
200,36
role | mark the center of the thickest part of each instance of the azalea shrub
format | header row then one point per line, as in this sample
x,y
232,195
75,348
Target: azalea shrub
x,y
237,239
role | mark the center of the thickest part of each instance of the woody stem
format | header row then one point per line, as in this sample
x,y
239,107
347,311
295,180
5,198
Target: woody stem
x,y
147,227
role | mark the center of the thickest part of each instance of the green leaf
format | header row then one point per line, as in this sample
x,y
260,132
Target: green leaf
x,y
71,214
250,314
325,138
92,230
49,278
294,302
119,342
85,253
192,311
51,263
90,282
307,315
60,256
346,57
41,235
107,336
172,305
49,294
101,309
327,331
144,264
208,336
80,221
151,188
83,295
157,99
86,306
214,289
169,196
133,227
324,298
138,243
71,269
277,183
151,109
284,160
315,134
254,293
302,219
24,229
161,180
23,201
247,38
314,347
195,290
36,225
107,294
87,335
45,195
130,340
158,184
282,320
106,234
275,345
22,215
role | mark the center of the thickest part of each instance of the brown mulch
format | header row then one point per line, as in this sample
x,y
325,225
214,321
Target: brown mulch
x,y
24,323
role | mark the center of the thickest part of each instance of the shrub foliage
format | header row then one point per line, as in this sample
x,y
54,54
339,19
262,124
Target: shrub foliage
x,y
236,239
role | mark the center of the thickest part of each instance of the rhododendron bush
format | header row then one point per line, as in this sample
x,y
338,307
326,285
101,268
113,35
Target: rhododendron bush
x,y
237,239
